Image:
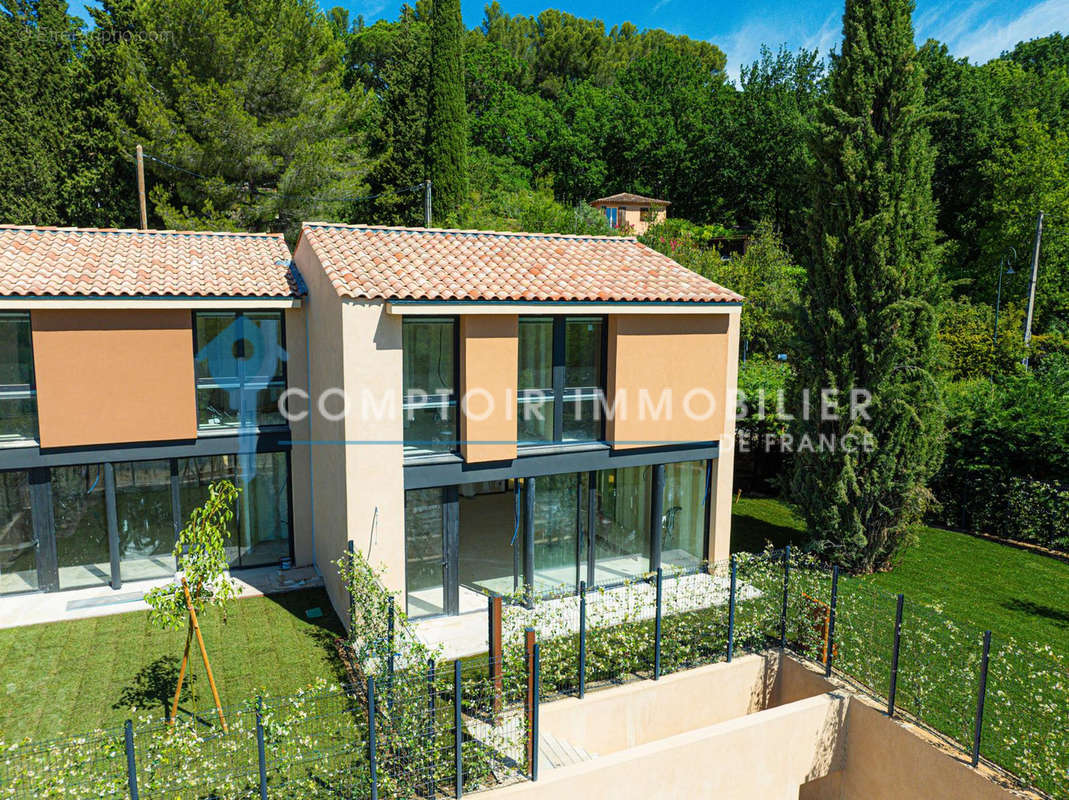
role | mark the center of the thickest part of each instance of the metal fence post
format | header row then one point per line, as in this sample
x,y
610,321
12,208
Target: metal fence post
x,y
261,752
371,737
534,717
458,728
389,655
980,696
657,627
582,639
529,701
831,620
894,657
131,761
349,588
431,701
786,594
731,609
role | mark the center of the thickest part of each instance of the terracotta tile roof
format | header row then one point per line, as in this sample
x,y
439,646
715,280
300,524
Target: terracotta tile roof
x,y
420,263
81,262
628,199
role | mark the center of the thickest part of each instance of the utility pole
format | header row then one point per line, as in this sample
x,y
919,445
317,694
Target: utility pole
x,y
141,186
1032,288
427,203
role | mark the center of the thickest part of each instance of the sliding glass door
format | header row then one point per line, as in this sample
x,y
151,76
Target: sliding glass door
x,y
18,542
425,557
621,532
555,528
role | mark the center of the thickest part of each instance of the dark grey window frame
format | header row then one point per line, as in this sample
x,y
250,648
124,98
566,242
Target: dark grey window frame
x,y
559,368
22,391
41,500
242,384
526,472
454,403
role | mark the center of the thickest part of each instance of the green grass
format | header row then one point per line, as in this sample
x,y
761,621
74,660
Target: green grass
x,y
976,582
63,678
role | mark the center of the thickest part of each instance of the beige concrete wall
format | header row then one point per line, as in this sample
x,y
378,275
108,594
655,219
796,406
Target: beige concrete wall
x,y
327,500
114,376
666,378
489,355
374,432
616,719
300,458
796,681
637,221
724,466
887,761
766,755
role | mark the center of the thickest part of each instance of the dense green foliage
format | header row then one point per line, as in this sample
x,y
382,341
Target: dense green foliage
x,y
868,300
447,123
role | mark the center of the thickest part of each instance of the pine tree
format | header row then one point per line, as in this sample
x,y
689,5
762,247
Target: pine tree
x,y
867,318
37,40
447,126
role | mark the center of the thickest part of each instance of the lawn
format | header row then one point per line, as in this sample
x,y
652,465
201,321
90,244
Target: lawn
x,y
64,678
976,582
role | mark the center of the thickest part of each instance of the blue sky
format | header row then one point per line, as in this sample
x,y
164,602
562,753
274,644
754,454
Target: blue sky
x,y
979,29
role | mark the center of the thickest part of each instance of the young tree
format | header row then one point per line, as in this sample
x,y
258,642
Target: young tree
x,y
447,124
200,554
868,320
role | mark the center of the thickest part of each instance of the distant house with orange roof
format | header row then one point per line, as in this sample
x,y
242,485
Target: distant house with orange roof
x,y
632,211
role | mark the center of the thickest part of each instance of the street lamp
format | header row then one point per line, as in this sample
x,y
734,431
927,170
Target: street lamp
x,y
1005,267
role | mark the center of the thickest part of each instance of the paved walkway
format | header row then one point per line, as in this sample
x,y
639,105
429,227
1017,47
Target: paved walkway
x,y
100,601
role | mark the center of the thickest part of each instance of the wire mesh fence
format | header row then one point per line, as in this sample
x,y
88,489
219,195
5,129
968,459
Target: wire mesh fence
x,y
437,729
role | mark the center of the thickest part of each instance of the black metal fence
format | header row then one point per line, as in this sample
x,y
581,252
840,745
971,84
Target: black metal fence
x,y
443,729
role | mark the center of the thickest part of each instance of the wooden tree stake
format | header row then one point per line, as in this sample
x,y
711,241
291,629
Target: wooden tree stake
x,y
181,674
204,654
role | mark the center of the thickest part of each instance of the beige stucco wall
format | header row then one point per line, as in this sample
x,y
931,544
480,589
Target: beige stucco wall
x,y
114,376
489,367
666,378
632,715
887,761
374,433
300,429
326,455
766,755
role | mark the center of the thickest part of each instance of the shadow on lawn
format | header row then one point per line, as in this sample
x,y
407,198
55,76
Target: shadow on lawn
x,y
153,686
322,631
1058,616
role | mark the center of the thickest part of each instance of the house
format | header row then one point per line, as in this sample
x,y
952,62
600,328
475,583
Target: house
x,y
525,411
632,212
475,411
137,367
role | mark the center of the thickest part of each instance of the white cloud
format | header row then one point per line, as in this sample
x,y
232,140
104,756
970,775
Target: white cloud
x,y
986,40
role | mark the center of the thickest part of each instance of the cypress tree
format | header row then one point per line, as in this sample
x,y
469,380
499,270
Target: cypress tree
x,y
867,315
447,124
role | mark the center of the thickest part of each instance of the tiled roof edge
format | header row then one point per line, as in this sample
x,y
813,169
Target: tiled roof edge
x,y
146,232
472,232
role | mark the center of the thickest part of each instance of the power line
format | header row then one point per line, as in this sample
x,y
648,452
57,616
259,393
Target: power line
x,y
415,188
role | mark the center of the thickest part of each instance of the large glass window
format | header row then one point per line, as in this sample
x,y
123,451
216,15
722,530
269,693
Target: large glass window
x,y
81,520
684,510
621,524
424,552
18,544
560,379
556,532
429,384
240,368
583,378
145,518
263,509
535,396
18,399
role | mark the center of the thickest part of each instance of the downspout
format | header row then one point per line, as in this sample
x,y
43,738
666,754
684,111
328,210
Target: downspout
x,y
311,461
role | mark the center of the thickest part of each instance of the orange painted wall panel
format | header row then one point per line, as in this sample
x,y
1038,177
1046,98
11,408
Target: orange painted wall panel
x,y
114,376
666,378
489,370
